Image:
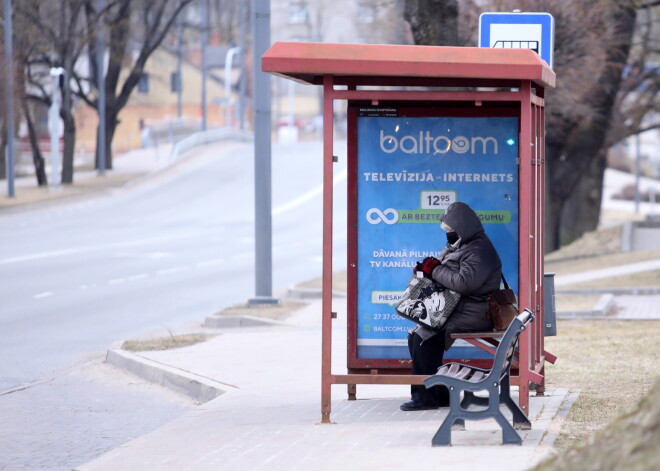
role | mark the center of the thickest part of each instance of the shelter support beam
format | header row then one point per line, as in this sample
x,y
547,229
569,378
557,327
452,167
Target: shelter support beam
x,y
326,306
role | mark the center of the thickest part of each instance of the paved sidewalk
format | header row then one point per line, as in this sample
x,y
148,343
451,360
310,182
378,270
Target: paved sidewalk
x,y
268,416
609,272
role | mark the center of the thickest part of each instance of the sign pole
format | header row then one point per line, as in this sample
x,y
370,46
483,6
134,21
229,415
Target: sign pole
x,y
9,87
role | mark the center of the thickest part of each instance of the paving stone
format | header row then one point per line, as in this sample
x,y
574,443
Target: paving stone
x,y
73,418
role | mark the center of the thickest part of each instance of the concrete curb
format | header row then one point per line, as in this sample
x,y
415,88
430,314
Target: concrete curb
x,y
229,322
310,293
554,419
198,388
601,310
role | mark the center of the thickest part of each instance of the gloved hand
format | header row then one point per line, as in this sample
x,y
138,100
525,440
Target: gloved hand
x,y
417,267
429,264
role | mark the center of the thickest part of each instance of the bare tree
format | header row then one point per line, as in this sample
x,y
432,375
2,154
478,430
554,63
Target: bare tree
x,y
433,22
135,29
576,157
637,108
592,43
51,36
225,16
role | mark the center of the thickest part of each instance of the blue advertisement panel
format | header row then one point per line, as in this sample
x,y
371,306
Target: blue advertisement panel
x,y
409,169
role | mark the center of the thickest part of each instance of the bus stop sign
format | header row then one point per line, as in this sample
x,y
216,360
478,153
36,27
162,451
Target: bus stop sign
x,y
534,31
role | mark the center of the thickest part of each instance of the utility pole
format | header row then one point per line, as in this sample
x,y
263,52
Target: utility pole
x,y
262,157
9,92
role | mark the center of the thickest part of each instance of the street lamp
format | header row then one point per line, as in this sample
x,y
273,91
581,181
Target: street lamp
x,y
57,74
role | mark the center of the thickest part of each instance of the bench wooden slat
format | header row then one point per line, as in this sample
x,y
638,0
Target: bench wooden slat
x,y
453,369
463,372
477,376
478,335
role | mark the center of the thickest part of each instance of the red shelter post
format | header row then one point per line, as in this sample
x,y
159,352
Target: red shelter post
x,y
457,90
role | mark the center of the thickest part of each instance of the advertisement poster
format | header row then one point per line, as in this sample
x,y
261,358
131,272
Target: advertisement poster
x,y
409,169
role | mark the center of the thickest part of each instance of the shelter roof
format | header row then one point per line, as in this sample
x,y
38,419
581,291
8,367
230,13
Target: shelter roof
x,y
308,62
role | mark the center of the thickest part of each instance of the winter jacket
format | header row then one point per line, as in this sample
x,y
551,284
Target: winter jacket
x,y
471,267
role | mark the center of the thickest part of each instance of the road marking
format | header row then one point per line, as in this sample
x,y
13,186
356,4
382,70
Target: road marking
x,y
242,256
309,195
169,271
45,294
92,248
209,263
141,276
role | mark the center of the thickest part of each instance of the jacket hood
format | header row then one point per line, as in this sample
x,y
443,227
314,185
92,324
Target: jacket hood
x,y
461,218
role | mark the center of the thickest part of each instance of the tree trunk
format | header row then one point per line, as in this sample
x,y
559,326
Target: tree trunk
x,y
432,22
69,121
576,163
69,146
577,215
37,157
111,123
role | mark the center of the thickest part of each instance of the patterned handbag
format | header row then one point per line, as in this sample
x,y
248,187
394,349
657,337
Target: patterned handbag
x,y
426,303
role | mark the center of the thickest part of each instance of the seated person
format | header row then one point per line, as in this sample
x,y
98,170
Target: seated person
x,y
469,265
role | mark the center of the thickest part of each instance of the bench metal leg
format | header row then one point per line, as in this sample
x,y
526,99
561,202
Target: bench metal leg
x,y
443,436
509,434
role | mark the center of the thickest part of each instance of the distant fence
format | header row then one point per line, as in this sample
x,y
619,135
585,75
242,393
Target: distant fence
x,y
25,147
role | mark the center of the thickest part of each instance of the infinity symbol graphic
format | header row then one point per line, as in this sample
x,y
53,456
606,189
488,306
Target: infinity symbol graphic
x,y
381,216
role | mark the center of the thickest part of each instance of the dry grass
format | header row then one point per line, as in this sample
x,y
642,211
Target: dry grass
x,y
613,363
602,241
339,282
86,186
629,443
270,311
164,343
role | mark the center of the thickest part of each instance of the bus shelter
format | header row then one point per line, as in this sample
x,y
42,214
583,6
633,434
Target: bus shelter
x,y
426,126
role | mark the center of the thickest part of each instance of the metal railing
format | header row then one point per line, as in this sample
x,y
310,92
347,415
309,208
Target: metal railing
x,y
207,137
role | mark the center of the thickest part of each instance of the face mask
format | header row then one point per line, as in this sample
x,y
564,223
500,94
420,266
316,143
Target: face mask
x,y
452,237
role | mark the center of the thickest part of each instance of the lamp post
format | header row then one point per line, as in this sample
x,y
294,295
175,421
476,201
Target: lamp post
x,y
56,74
228,63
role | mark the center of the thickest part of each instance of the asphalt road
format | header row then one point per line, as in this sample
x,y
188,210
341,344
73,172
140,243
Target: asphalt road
x,y
79,276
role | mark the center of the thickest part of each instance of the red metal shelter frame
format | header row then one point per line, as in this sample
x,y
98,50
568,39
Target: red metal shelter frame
x,y
444,77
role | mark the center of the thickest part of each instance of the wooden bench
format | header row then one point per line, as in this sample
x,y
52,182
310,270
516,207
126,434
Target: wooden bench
x,y
488,342
458,377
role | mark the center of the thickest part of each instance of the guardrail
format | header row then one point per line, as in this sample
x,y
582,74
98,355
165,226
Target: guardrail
x,y
207,137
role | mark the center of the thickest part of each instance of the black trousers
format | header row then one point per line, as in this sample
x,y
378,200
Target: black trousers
x,y
426,359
